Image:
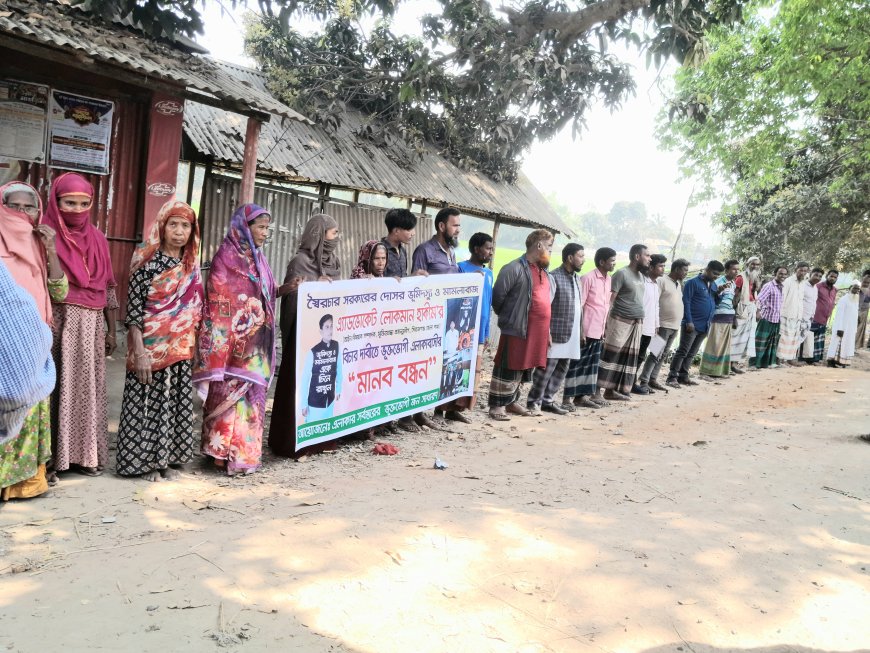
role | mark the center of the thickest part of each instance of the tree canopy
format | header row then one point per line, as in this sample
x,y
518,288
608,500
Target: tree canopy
x,y
780,113
480,84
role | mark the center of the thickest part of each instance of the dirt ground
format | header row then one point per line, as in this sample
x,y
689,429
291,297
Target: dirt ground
x,y
727,517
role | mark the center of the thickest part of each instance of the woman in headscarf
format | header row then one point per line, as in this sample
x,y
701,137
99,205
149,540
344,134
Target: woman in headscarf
x,y
842,347
372,261
237,344
164,306
27,247
315,260
84,329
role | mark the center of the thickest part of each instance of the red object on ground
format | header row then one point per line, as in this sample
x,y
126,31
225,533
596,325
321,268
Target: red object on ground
x,y
384,449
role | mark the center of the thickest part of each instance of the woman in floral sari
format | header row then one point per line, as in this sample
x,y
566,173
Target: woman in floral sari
x,y
237,344
164,306
28,250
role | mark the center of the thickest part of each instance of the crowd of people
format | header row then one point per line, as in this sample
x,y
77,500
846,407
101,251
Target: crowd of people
x,y
582,341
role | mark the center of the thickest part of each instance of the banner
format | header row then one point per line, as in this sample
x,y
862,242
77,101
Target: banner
x,y
164,143
81,131
370,351
23,120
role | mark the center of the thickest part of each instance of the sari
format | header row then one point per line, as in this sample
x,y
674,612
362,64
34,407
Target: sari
x,y
315,258
237,347
164,301
23,459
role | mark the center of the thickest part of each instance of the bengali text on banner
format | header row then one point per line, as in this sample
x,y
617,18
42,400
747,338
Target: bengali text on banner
x,y
370,351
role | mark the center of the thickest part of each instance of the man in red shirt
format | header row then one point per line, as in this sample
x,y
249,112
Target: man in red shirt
x,y
824,308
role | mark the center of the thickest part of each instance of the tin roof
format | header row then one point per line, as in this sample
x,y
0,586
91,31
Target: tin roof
x,y
58,26
306,152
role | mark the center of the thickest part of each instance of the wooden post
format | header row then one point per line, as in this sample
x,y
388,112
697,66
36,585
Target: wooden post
x,y
249,164
494,239
191,175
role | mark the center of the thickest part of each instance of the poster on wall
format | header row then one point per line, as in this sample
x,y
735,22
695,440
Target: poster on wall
x,y
375,350
80,132
23,120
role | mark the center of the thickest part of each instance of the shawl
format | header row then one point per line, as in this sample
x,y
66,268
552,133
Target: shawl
x,y
82,249
21,250
313,260
237,333
366,252
174,303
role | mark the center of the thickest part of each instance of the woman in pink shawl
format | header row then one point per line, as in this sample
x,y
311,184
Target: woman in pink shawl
x,y
84,329
237,344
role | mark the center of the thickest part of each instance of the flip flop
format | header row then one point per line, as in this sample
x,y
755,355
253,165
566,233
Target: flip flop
x,y
88,471
499,417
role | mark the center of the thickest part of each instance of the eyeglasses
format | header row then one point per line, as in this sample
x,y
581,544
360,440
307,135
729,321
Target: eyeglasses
x,y
29,209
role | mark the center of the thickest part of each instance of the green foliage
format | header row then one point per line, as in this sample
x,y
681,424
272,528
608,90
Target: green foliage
x,y
780,111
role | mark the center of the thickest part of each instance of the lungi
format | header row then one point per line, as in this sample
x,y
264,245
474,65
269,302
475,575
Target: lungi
x,y
582,376
789,338
504,389
743,337
716,359
766,340
619,355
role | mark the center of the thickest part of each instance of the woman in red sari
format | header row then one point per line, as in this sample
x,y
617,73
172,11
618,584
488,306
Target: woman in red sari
x,y
237,344
164,306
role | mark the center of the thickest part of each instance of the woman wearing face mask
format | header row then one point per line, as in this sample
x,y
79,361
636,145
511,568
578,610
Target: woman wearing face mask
x,y
237,344
27,248
84,329
164,306
315,260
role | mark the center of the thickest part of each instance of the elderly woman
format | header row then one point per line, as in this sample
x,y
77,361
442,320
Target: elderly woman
x,y
372,261
27,247
164,306
237,344
315,260
84,329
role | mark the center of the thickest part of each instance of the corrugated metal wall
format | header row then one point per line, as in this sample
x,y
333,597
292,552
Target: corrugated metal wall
x,y
290,212
117,195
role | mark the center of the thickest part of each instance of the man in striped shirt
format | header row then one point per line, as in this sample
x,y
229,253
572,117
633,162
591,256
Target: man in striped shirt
x,y
769,311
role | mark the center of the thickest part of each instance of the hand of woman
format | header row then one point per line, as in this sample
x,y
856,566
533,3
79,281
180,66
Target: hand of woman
x,y
111,343
46,236
143,368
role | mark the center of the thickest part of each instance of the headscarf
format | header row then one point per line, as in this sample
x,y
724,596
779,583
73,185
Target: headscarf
x,y
173,306
366,254
21,250
316,257
237,333
83,251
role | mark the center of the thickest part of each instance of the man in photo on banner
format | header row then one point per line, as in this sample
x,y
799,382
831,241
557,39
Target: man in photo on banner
x,y
321,376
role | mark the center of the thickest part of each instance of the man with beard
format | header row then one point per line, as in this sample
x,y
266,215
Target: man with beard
x,y
699,303
827,297
811,298
767,331
670,318
438,256
565,327
651,292
716,359
581,382
619,356
521,298
480,247
791,315
842,347
747,286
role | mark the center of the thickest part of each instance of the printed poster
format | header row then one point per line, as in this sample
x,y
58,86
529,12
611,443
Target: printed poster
x,y
371,351
80,132
23,120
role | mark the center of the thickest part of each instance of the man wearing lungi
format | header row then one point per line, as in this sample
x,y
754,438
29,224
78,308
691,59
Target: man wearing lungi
x,y
748,283
791,314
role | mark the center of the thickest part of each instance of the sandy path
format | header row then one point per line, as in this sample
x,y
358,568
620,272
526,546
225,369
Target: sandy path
x,y
600,531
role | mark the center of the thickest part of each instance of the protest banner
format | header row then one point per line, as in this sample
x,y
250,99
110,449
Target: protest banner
x,y
371,351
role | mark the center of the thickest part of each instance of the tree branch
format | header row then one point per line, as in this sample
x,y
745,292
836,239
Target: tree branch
x,y
571,25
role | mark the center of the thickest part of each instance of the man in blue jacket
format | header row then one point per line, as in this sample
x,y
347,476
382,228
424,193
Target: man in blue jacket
x,y
700,296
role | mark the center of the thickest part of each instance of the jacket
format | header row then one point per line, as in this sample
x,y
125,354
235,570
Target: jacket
x,y
512,295
562,316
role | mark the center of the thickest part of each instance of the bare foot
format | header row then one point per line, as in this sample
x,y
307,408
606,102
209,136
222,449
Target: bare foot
x,y
170,474
152,477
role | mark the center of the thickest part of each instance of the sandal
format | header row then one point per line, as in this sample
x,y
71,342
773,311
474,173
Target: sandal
x,y
88,471
499,417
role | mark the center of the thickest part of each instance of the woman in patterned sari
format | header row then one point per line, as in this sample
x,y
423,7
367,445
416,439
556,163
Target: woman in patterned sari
x,y
84,330
237,344
27,247
164,306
